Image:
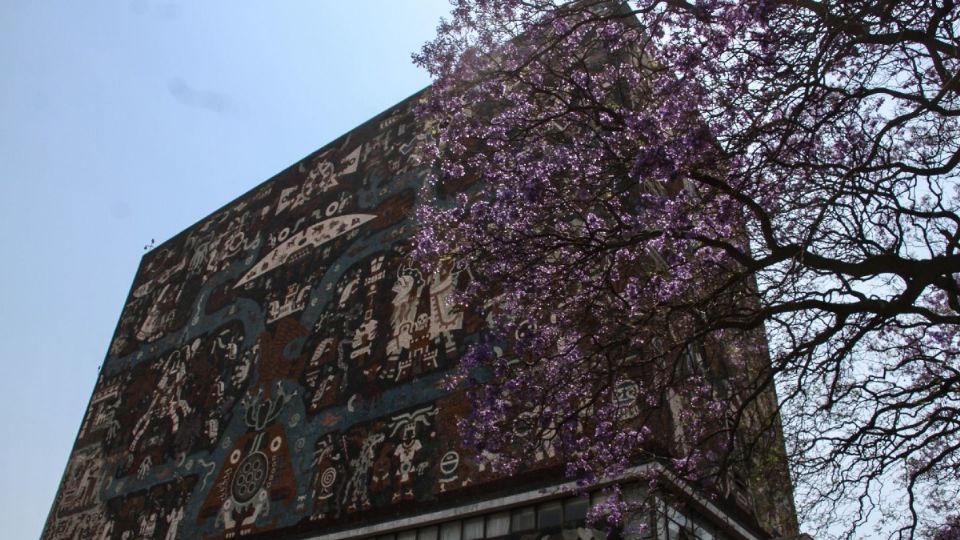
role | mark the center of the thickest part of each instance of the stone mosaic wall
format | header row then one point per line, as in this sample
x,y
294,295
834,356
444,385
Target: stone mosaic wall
x,y
279,365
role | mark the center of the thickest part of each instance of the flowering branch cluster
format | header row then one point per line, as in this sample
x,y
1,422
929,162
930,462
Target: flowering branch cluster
x,y
677,204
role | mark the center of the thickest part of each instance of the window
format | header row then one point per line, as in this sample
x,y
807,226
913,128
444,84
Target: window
x,y
550,515
679,526
523,519
450,531
473,528
575,510
498,524
427,533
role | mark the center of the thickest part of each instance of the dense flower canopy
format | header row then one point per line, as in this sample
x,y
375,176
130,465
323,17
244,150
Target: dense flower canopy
x,y
667,193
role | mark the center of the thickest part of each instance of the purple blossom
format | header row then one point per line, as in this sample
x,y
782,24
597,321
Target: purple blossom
x,y
752,181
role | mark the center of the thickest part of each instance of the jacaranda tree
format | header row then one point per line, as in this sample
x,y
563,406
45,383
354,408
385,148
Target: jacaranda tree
x,y
711,198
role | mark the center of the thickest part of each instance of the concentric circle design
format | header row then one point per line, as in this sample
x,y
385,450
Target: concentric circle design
x,y
328,477
449,462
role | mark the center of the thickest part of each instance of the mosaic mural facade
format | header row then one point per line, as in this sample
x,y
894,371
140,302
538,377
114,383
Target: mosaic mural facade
x,y
279,365
279,368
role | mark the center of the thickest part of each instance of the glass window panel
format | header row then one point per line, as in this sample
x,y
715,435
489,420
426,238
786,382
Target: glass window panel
x,y
680,526
427,533
498,524
523,519
385,537
450,531
473,528
575,509
407,535
550,515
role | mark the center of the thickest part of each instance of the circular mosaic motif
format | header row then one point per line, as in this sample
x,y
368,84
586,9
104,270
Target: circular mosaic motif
x,y
449,462
249,478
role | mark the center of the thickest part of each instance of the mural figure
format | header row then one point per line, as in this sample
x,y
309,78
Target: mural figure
x,y
406,297
167,402
82,481
173,519
406,452
356,494
159,314
102,411
148,525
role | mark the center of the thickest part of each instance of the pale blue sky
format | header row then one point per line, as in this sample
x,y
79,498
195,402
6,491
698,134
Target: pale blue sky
x,y
129,120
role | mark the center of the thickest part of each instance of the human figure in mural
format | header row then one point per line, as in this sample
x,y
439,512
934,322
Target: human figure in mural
x,y
173,519
408,448
405,452
406,297
201,244
148,524
84,475
154,323
167,401
356,494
